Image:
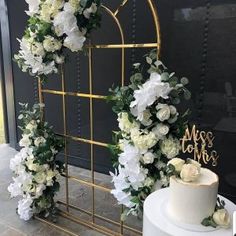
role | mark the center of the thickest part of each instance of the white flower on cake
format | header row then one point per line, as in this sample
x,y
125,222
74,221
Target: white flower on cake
x,y
195,163
177,163
170,147
222,218
189,173
148,93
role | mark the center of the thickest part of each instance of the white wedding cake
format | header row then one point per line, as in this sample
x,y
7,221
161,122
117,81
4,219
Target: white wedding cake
x,y
191,202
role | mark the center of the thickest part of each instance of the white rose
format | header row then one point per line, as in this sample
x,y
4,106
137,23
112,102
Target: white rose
x,y
189,173
51,44
40,177
173,110
32,125
146,118
196,163
161,130
177,163
170,147
25,141
39,190
163,112
39,141
148,158
221,217
31,165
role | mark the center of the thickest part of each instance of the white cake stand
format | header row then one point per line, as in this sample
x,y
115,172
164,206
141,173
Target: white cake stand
x,y
156,221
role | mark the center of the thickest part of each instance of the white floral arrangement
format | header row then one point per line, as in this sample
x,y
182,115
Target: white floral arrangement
x,y
150,131
190,171
35,167
54,25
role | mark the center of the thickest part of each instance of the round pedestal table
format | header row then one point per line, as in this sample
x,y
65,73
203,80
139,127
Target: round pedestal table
x,y
156,221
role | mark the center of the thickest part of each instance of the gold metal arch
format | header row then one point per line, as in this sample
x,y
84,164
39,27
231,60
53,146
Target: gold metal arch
x,y
67,214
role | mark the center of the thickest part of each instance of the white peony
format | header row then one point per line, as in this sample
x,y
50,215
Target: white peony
x,y
92,9
148,93
177,163
24,208
160,130
189,173
39,141
222,218
75,41
170,147
25,141
51,44
143,141
163,112
124,123
33,7
148,158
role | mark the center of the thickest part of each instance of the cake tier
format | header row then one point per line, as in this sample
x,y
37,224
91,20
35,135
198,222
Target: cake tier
x,y
191,202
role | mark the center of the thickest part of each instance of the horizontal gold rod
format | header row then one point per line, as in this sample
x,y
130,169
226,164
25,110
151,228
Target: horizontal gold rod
x,y
84,140
100,217
83,95
91,225
56,226
90,184
120,46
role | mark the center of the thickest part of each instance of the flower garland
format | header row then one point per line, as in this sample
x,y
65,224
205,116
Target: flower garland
x,y
35,168
54,25
150,130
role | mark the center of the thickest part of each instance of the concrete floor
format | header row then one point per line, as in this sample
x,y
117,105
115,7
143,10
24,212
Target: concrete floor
x,y
79,195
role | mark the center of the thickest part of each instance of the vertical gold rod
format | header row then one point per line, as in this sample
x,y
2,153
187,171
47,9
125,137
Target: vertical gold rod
x,y
157,25
91,131
65,133
40,97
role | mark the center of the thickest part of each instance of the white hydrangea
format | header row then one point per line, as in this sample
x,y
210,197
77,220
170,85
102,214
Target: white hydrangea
x,y
124,123
24,208
143,141
75,41
148,93
51,44
33,7
170,147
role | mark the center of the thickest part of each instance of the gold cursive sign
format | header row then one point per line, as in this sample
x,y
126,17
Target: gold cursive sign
x,y
199,144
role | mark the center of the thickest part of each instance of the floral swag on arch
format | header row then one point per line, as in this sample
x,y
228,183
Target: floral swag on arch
x,y
150,131
35,167
53,26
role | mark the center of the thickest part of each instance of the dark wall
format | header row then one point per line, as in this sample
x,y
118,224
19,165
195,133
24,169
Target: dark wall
x,y
198,39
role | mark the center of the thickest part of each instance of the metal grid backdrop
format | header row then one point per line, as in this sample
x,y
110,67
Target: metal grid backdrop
x,y
91,97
